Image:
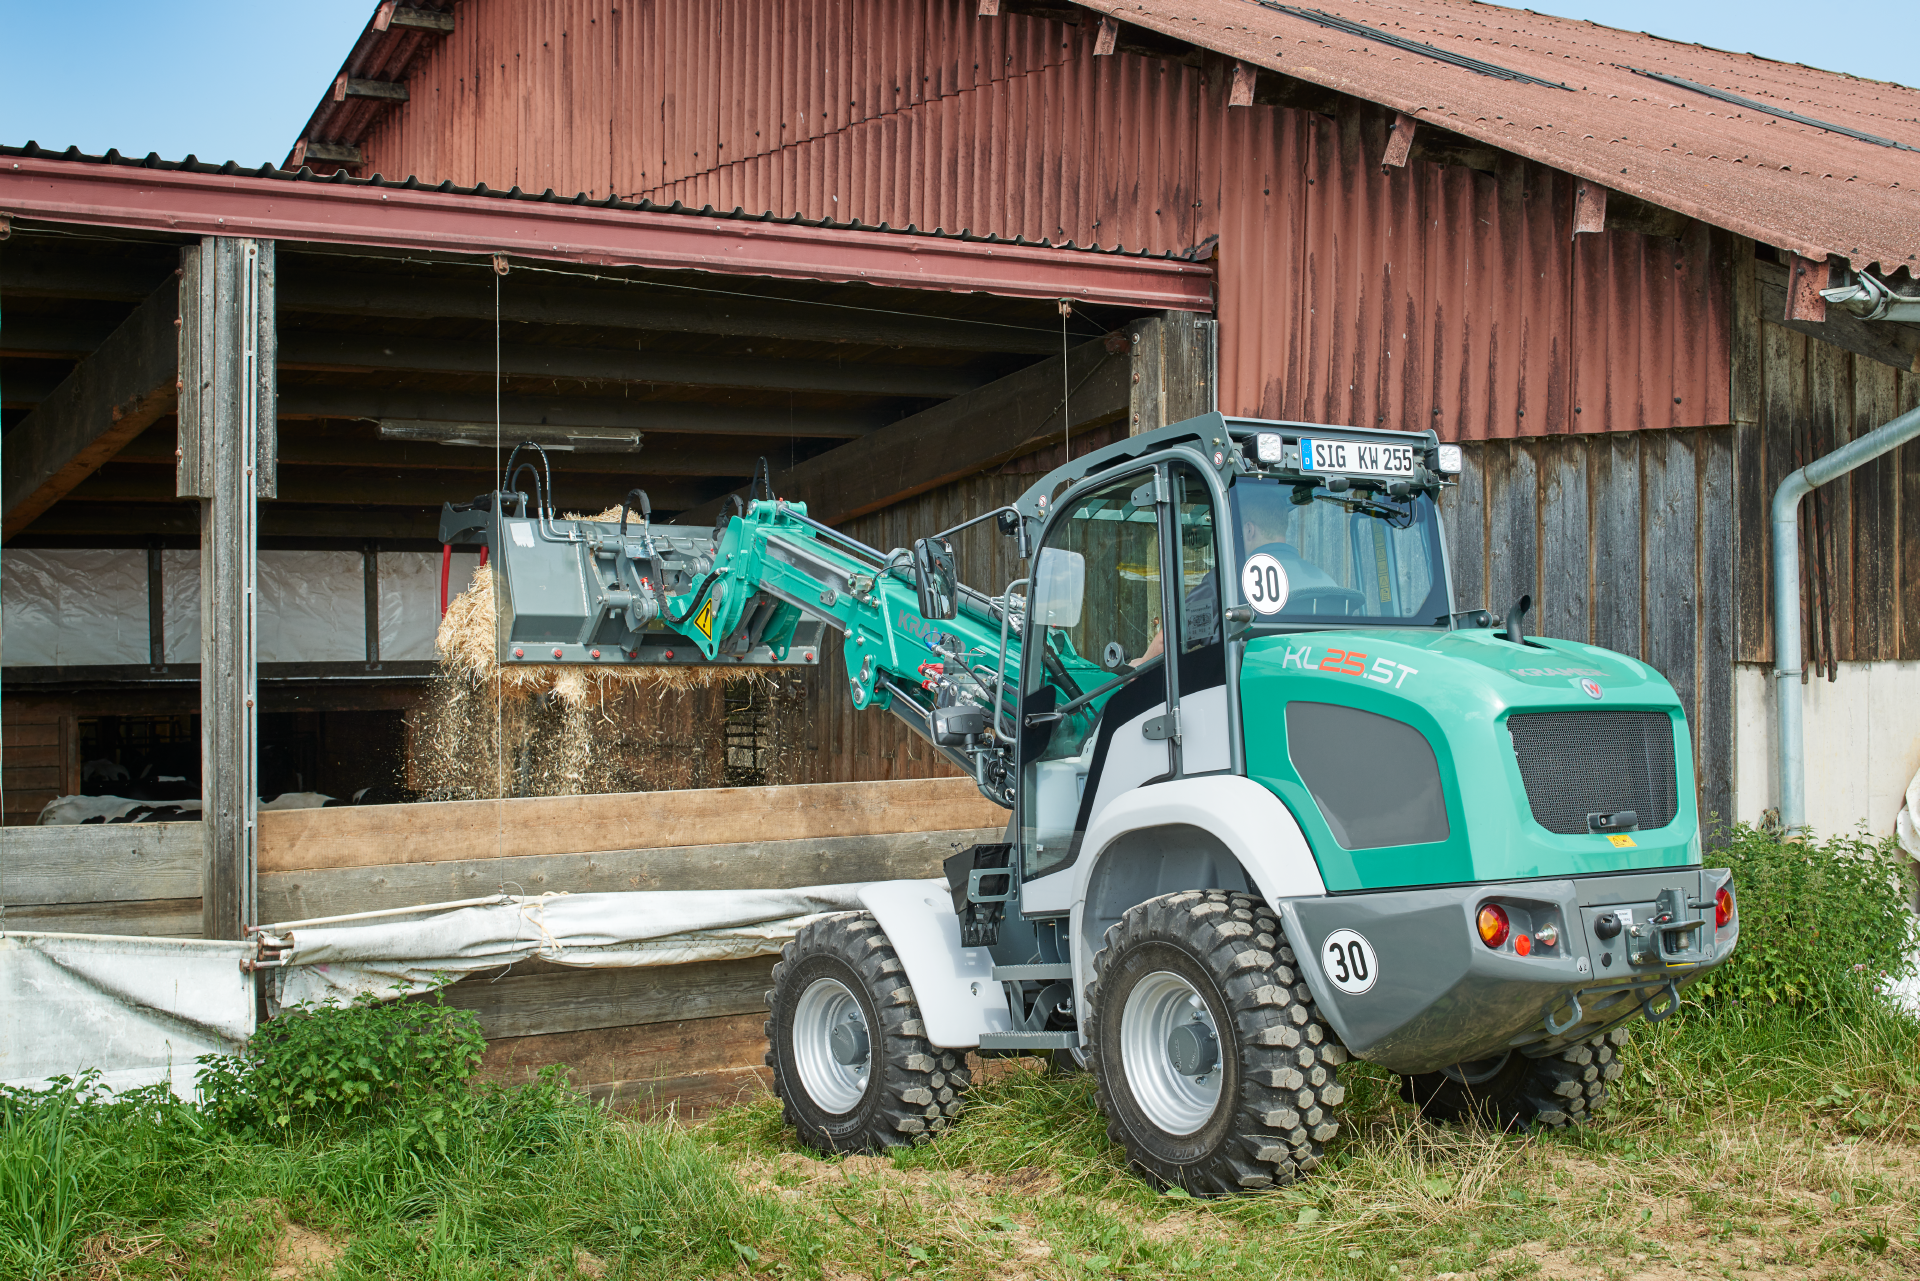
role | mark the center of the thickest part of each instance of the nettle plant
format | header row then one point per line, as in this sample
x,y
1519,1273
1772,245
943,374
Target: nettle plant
x,y
373,1061
1816,918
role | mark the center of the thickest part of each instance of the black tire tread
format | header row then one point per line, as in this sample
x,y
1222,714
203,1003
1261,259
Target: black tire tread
x,y
1552,1092
1290,1091
922,1087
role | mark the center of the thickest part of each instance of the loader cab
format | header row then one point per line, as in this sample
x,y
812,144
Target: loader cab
x,y
1134,632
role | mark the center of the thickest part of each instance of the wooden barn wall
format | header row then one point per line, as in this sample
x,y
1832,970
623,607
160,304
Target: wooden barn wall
x,y
1624,541
1424,295
1796,397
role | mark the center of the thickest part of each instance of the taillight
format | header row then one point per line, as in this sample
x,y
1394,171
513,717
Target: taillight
x,y
1722,908
1492,924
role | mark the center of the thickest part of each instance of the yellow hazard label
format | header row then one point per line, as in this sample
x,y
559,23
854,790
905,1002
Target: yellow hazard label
x,y
1623,842
704,619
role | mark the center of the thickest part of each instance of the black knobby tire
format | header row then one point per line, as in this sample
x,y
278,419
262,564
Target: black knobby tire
x,y
912,1087
1552,1092
1279,1088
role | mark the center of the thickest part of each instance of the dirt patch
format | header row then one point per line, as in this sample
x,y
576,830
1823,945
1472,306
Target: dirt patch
x,y
301,1252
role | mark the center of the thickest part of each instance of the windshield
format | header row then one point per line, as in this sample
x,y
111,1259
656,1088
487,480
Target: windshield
x,y
1309,556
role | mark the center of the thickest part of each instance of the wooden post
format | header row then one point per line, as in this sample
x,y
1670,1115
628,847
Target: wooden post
x,y
1174,359
227,439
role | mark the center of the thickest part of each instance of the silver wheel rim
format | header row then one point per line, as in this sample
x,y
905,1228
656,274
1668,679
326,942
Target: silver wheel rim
x,y
824,1006
1158,1005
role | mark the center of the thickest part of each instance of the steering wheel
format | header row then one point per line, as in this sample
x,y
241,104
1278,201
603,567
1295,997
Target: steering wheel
x,y
1356,600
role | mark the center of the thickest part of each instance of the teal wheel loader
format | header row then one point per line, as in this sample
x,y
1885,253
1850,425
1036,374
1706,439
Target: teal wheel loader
x,y
1276,800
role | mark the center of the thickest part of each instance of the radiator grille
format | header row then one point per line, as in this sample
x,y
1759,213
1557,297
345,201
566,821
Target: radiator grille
x,y
1580,763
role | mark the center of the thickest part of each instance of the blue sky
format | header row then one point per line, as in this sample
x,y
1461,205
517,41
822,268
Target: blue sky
x,y
235,79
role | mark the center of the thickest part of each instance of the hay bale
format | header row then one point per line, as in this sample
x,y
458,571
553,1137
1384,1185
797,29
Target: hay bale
x,y
469,651
532,729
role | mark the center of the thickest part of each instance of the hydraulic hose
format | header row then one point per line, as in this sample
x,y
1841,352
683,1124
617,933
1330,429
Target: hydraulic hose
x,y
446,568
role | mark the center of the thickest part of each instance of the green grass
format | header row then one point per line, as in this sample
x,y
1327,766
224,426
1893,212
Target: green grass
x,y
1772,1132
1785,1143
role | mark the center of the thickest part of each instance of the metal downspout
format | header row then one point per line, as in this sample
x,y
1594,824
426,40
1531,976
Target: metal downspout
x,y
1792,782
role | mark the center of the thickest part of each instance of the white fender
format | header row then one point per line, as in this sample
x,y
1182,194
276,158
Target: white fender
x,y
1248,819
958,995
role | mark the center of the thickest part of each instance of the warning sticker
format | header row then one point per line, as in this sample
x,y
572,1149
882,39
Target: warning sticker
x,y
1623,842
704,619
1264,583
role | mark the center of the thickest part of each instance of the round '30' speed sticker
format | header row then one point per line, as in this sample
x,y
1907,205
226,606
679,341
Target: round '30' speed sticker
x,y
1263,581
1349,962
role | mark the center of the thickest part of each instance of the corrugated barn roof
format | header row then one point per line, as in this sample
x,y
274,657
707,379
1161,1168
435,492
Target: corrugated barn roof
x,y
1807,160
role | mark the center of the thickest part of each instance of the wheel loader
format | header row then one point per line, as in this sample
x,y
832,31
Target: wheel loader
x,y
1275,800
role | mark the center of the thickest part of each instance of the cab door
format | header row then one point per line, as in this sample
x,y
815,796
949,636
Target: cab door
x,y
1097,606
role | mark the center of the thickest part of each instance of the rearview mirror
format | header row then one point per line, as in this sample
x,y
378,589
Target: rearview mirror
x,y
934,578
1059,587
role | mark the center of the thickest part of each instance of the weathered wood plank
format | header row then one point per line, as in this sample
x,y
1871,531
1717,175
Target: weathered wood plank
x,y
110,397
1672,565
549,999
104,863
1511,500
1751,551
1784,389
1464,512
447,831
1714,729
1875,510
1566,566
304,895
1907,531
1617,539
1745,401
162,918
690,1066
1830,408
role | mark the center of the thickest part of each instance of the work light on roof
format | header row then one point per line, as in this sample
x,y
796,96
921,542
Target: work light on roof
x,y
1450,460
1268,446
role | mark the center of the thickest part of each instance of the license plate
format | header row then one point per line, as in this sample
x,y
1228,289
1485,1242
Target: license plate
x,y
1354,457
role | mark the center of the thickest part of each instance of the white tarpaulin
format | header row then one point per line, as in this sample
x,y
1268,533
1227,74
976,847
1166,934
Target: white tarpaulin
x,y
78,607
397,954
139,1010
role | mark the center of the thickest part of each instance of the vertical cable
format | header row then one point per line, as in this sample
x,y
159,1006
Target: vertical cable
x,y
1066,418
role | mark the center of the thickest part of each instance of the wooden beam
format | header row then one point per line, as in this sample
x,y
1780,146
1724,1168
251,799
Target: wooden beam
x,y
132,482
128,522
314,349
114,395
1107,37
1890,343
226,460
534,999
337,153
777,864
1399,142
1806,277
634,308
1240,92
1173,361
660,455
391,13
984,428
345,87
1589,208
334,400
444,831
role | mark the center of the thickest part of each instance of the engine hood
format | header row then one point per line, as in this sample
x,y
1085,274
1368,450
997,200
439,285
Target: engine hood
x,y
1458,689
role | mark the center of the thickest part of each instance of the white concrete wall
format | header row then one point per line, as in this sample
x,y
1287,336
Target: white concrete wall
x,y
1862,744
